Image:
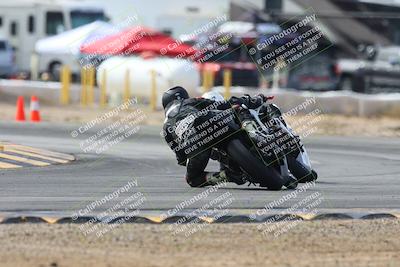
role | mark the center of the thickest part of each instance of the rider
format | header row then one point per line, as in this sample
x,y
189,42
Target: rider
x,y
178,109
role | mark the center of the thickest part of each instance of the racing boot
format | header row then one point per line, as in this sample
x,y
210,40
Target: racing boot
x,y
225,175
214,178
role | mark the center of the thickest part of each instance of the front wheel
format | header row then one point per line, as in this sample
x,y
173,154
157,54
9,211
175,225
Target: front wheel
x,y
299,171
253,166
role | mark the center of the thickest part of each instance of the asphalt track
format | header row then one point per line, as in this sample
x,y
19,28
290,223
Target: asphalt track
x,y
354,173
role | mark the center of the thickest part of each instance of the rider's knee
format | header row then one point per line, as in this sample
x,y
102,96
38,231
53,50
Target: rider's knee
x,y
196,181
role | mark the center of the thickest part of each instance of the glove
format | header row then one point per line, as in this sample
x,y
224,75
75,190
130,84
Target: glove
x,y
236,107
181,160
265,98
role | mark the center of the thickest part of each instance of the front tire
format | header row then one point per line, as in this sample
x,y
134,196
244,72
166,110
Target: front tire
x,y
302,174
253,166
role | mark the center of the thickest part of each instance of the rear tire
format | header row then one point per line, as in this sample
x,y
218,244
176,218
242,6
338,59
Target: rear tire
x,y
253,166
302,174
55,70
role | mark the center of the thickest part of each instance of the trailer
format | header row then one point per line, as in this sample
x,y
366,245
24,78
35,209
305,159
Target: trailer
x,y
24,22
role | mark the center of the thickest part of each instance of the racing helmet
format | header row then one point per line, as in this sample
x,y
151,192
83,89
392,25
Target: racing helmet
x,y
215,96
175,93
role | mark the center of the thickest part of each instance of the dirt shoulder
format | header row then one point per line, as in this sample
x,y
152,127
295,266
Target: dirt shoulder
x,y
311,243
327,125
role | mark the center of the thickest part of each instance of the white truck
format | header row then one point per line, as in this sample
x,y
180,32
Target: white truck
x,y
23,22
379,72
7,66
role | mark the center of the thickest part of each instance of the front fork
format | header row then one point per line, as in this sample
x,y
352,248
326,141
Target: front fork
x,y
302,155
283,167
303,158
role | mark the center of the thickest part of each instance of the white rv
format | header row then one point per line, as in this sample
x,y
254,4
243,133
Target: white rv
x,y
23,22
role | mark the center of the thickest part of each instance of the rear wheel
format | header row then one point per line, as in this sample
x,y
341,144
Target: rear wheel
x,y
55,70
253,166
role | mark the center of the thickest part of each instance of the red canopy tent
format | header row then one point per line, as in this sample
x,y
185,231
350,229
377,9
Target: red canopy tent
x,y
138,40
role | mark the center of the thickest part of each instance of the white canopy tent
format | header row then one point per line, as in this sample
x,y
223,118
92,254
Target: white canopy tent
x,y
69,42
64,48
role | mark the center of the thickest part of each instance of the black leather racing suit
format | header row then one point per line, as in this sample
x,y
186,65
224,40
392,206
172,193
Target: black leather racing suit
x,y
177,111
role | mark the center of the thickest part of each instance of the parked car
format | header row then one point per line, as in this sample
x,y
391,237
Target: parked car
x,y
316,74
7,58
380,72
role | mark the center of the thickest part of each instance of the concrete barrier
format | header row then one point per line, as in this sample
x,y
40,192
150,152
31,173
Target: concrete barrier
x,y
48,92
335,102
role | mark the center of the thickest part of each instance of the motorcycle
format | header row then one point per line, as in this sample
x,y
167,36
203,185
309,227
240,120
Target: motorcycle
x,y
261,145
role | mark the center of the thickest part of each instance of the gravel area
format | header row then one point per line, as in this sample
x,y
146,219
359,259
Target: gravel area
x,y
311,243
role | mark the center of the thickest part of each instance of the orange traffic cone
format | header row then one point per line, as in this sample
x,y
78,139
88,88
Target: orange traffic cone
x,y
20,115
35,116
